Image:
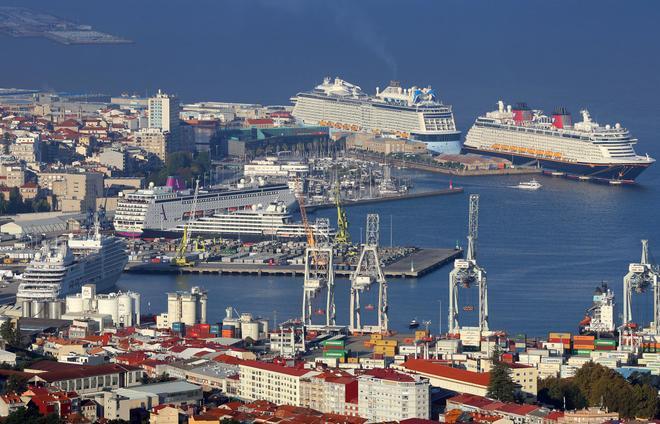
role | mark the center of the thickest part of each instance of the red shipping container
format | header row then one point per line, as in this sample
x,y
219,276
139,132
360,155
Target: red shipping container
x,y
333,348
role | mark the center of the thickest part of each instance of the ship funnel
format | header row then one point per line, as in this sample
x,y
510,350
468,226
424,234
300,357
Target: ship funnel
x,y
175,183
561,118
522,113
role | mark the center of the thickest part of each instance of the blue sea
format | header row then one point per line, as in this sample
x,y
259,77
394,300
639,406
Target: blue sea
x,y
544,251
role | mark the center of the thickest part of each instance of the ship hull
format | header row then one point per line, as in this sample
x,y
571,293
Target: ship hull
x,y
625,172
171,235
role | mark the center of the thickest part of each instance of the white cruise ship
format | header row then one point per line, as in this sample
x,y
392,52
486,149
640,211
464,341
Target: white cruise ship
x,y
63,267
157,211
414,113
254,224
585,150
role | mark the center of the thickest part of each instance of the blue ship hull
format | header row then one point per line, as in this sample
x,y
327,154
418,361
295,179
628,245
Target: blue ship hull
x,y
626,173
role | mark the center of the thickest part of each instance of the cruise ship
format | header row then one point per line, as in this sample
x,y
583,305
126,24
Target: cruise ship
x,y
63,267
584,150
257,223
408,113
156,211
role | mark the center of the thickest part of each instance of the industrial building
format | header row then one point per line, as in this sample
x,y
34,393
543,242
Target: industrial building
x,y
188,308
120,309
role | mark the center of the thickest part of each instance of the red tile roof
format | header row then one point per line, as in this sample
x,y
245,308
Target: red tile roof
x,y
436,369
389,374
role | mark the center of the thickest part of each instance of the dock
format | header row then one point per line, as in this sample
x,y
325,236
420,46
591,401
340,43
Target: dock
x,y
415,265
406,196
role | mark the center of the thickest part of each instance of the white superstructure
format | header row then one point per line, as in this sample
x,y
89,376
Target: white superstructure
x,y
152,211
256,223
601,313
529,136
414,113
64,267
275,167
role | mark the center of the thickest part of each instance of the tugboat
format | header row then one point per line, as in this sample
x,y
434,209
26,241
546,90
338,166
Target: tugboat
x,y
413,324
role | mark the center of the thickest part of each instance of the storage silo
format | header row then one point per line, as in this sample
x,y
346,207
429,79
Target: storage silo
x,y
250,329
55,308
188,309
74,304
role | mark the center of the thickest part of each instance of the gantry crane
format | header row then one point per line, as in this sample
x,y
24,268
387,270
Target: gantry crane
x,y
640,277
180,259
367,272
319,272
467,273
343,236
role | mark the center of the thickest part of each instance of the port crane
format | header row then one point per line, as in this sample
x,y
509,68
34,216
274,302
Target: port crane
x,y
343,236
180,259
367,272
641,277
319,272
468,273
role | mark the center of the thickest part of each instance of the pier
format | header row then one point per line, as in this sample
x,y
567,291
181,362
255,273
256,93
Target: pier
x,y
405,196
414,265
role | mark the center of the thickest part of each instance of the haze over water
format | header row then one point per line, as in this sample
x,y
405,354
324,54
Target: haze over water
x,y
544,251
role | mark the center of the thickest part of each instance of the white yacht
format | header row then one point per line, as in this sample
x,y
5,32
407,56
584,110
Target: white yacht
x,y
528,185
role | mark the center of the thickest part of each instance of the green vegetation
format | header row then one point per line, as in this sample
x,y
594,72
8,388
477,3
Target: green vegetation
x,y
15,384
184,165
30,415
16,204
596,385
10,333
500,386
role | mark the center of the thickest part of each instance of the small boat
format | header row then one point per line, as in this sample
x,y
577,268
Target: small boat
x,y
584,178
557,174
320,312
413,324
615,182
528,185
369,307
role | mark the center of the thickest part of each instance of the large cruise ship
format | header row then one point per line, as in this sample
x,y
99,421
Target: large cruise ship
x,y
155,211
62,267
258,223
584,150
414,113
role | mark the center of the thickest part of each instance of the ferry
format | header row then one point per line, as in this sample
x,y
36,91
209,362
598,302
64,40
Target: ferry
x,y
257,223
528,185
557,145
61,267
408,113
156,211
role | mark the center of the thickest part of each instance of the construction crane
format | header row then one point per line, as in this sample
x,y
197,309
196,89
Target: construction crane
x,y
367,272
640,277
467,273
342,236
311,240
180,259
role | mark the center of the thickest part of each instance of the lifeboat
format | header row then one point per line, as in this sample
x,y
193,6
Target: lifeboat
x,y
585,321
354,127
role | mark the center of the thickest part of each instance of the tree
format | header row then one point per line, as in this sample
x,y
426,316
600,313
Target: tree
x,y
500,385
561,393
10,333
6,141
30,415
15,384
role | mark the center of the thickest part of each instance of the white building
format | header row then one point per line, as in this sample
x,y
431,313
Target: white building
x,y
163,112
122,308
275,383
186,307
388,395
273,167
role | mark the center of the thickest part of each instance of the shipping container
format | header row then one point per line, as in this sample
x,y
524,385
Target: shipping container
x,y
583,338
376,336
215,329
340,343
386,343
559,336
605,342
333,347
582,352
334,354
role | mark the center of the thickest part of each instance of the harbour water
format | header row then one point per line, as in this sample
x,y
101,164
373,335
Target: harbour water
x,y
544,251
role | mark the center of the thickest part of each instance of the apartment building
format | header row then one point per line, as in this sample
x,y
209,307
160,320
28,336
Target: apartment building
x,y
388,395
272,382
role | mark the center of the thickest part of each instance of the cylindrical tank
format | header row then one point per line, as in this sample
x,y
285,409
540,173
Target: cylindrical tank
x,y
55,308
124,310
74,304
107,305
173,307
250,329
27,308
202,309
188,310
38,309
136,307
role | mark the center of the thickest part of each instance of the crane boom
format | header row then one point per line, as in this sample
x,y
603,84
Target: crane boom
x,y
180,259
311,241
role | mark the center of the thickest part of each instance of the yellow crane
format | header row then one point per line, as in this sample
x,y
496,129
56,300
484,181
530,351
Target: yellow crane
x,y
180,259
342,236
311,240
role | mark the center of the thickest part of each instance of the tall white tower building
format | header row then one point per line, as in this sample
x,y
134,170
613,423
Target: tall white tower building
x,y
163,112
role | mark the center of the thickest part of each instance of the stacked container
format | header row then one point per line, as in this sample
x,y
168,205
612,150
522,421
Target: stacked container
x,y
228,331
520,341
179,327
582,344
605,344
385,347
215,329
563,338
421,334
334,349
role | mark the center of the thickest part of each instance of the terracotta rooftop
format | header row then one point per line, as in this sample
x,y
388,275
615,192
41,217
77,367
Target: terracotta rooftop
x,y
439,370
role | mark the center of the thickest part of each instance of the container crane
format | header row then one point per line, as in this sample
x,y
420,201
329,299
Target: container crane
x,y
180,259
467,273
640,277
343,236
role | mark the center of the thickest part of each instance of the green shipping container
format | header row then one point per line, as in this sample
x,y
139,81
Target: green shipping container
x,y
334,354
333,343
582,352
605,342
